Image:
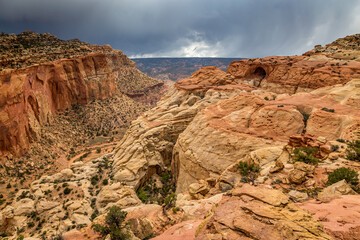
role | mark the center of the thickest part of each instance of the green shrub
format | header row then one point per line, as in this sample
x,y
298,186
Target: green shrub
x,y
170,200
114,225
248,171
94,180
30,224
353,151
334,148
246,168
348,174
94,214
305,154
340,140
105,182
67,190
142,195
20,237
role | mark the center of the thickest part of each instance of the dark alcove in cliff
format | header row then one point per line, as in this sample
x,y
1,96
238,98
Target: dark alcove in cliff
x,y
259,75
260,72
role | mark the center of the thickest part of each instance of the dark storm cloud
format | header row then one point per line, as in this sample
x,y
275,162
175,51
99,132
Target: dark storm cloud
x,y
239,28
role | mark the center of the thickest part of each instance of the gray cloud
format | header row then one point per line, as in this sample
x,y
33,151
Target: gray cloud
x,y
227,28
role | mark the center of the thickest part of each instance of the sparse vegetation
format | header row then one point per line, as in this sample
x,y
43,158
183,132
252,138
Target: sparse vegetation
x,y
348,174
246,168
67,191
353,151
334,148
306,155
114,225
105,182
248,171
94,180
152,193
142,195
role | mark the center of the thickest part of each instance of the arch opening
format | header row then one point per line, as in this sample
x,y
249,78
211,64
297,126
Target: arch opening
x,y
259,74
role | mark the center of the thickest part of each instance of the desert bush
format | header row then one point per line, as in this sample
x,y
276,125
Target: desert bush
x,y
334,148
67,190
20,237
114,225
170,200
348,174
246,168
142,195
305,154
94,180
248,171
353,151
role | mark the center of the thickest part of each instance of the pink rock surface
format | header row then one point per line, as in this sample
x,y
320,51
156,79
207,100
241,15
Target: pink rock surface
x,y
341,216
182,231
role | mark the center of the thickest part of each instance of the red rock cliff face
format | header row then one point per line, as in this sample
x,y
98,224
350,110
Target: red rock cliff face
x,y
294,74
29,96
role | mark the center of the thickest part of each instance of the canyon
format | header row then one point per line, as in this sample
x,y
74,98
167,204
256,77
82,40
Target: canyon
x,y
249,153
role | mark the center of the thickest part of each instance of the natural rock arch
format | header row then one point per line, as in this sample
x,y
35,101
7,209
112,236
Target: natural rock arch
x,y
259,74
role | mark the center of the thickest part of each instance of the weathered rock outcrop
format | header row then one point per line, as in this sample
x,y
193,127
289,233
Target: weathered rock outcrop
x,y
148,145
294,74
249,212
228,130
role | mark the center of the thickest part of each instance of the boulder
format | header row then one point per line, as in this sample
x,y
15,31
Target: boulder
x,y
116,194
24,207
198,190
297,196
336,189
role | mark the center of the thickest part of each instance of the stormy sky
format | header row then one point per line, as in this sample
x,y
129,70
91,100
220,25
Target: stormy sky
x,y
188,28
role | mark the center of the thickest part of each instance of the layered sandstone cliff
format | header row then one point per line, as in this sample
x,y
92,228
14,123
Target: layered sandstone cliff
x,y
30,96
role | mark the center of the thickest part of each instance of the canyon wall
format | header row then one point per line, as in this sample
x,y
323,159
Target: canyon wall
x,y
31,95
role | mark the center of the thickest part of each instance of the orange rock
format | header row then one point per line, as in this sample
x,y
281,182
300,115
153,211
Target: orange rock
x,y
293,74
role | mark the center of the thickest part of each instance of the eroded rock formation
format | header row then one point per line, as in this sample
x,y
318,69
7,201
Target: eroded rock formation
x,y
30,96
